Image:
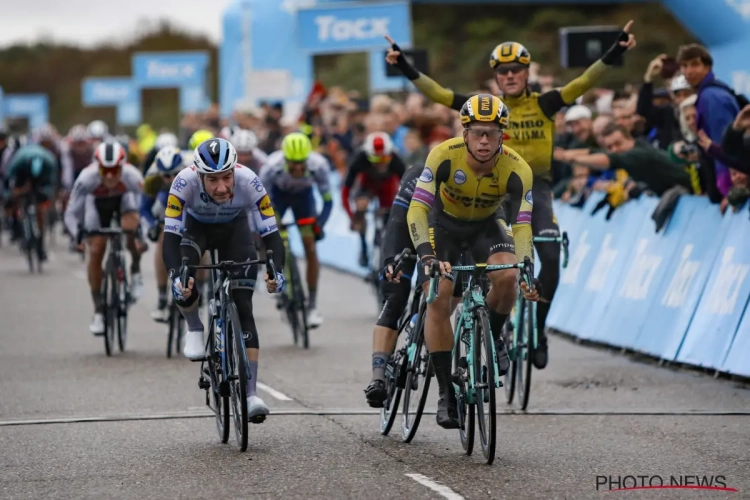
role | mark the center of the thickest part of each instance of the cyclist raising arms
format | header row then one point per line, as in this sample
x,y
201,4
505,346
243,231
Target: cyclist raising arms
x,y
208,208
464,181
114,187
531,134
289,177
159,177
376,170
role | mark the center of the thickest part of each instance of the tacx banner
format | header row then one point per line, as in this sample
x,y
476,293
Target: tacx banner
x,y
169,69
687,258
723,300
129,113
108,91
737,360
335,27
34,107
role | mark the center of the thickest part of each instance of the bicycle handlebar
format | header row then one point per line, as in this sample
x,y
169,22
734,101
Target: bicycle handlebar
x,y
226,265
401,259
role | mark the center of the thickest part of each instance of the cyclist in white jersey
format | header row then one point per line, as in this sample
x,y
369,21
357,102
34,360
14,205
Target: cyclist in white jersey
x,y
289,176
107,187
207,209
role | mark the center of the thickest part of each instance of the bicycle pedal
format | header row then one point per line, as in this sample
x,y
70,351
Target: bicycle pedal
x,y
203,383
199,360
257,419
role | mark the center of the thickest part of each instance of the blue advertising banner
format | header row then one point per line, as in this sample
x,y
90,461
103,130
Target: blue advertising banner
x,y
193,98
129,113
737,360
108,91
723,301
379,82
169,69
336,27
35,107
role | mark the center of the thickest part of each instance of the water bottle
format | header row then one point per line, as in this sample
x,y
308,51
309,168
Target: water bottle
x,y
410,327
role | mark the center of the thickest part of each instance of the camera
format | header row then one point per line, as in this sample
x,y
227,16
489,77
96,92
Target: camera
x,y
690,148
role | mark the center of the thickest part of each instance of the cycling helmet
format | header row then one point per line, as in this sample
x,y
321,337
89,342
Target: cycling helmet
x,y
296,146
378,145
244,141
214,156
198,137
228,132
45,132
168,160
679,82
509,52
37,165
78,133
98,129
164,140
110,154
484,108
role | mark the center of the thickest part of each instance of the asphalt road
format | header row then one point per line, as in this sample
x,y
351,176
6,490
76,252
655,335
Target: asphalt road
x,y
76,424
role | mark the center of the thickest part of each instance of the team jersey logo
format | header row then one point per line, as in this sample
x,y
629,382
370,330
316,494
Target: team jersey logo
x,y
179,184
426,175
529,199
265,208
459,177
174,207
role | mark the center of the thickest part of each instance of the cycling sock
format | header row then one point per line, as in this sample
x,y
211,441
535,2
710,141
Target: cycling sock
x,y
441,363
379,360
312,300
497,322
135,266
98,298
162,297
363,240
193,320
542,309
252,380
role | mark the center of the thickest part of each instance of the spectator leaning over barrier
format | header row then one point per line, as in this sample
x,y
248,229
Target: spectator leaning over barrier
x,y
736,141
640,160
661,120
716,105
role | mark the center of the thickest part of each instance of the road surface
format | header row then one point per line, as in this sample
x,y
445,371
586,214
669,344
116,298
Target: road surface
x,y
76,424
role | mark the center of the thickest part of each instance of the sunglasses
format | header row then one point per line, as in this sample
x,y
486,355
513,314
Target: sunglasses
x,y
110,171
379,159
478,133
510,68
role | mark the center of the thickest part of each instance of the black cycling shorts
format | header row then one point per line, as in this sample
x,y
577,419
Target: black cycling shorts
x,y
543,220
480,239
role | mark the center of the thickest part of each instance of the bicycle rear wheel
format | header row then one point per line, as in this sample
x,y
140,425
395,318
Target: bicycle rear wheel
x,y
514,351
466,408
526,333
109,285
298,307
394,383
484,383
419,371
237,361
219,386
123,294
173,322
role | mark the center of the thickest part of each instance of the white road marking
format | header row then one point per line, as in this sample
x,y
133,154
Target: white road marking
x,y
81,275
438,488
273,392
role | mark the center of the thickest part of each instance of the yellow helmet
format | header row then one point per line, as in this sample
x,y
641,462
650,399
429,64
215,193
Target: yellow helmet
x,y
484,108
510,52
199,137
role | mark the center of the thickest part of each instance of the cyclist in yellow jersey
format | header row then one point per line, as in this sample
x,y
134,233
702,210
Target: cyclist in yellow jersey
x,y
464,181
531,133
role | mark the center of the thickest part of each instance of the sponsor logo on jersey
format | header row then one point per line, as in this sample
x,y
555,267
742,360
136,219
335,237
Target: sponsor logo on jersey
x,y
459,177
257,185
265,208
179,184
174,228
426,175
174,207
204,197
529,198
511,155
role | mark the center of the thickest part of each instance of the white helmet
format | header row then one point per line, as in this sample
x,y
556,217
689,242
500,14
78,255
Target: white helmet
x,y
165,140
98,129
78,133
169,160
244,141
679,82
378,144
110,154
214,156
228,132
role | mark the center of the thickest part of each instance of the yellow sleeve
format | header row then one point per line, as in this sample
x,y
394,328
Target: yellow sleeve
x,y
439,94
520,195
576,88
421,203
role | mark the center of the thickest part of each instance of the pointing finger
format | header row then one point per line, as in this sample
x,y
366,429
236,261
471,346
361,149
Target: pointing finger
x,y
389,39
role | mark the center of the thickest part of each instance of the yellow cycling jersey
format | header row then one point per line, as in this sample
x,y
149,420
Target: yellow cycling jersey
x,y
531,131
449,186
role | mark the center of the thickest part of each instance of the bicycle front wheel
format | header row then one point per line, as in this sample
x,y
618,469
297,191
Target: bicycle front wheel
x,y
123,294
419,371
237,360
526,332
109,285
219,385
514,351
484,384
466,408
394,370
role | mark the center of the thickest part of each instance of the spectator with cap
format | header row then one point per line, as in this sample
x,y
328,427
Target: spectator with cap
x,y
578,119
716,104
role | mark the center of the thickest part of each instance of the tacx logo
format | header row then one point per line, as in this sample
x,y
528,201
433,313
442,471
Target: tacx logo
x,y
156,69
341,30
110,92
741,6
22,106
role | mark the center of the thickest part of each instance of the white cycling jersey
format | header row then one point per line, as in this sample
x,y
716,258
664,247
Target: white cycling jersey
x,y
89,185
187,196
274,174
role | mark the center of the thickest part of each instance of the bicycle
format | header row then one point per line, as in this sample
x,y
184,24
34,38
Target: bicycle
x,y
373,274
293,303
177,326
396,368
115,287
523,339
474,377
31,240
224,371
